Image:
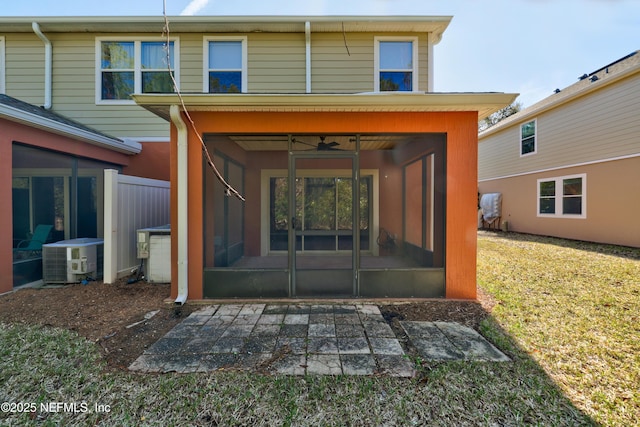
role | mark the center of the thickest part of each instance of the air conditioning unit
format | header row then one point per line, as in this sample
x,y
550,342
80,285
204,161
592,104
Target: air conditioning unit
x,y
154,245
71,261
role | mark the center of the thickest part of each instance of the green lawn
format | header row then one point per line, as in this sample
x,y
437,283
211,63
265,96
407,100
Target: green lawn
x,y
567,313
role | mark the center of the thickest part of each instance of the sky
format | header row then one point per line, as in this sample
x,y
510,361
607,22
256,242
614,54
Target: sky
x,y
530,47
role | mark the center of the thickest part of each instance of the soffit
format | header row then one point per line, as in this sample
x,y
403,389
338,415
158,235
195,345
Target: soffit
x,y
484,103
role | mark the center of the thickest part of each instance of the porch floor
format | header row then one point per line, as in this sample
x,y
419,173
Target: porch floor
x,y
306,339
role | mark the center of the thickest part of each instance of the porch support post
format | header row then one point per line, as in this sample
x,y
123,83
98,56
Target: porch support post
x,y
356,218
291,220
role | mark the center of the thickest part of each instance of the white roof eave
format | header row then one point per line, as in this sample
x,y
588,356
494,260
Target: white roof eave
x,y
43,123
483,103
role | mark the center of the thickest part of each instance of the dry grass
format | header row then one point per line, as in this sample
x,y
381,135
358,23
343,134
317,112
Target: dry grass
x,y
574,307
571,310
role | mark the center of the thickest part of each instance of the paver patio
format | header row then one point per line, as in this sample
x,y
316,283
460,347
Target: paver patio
x,y
306,339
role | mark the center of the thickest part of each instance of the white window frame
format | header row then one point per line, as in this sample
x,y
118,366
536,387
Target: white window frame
x,y
376,60
265,178
535,137
205,62
559,197
3,69
137,71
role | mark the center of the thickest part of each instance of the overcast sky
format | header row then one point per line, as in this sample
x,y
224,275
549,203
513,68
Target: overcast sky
x,y
529,47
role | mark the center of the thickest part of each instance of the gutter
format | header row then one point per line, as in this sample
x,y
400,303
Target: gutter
x,y
48,55
182,189
53,126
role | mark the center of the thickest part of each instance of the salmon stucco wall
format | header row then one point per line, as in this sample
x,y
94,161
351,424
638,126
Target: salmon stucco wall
x,y
461,167
14,132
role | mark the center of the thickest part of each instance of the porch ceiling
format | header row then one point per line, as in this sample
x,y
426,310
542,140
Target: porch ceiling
x,y
483,103
310,142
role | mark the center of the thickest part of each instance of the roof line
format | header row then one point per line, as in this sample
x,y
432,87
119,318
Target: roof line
x,y
24,117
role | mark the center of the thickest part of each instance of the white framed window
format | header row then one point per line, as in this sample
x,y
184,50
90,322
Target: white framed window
x,y
128,66
225,64
274,201
563,197
2,67
528,138
396,64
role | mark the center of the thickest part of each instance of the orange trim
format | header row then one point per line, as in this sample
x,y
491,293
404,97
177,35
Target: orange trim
x,y
461,130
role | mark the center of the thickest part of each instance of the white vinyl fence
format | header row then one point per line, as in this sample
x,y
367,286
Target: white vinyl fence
x,y
130,203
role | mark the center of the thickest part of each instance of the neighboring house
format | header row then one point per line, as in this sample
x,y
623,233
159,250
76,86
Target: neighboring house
x,y
340,108
569,166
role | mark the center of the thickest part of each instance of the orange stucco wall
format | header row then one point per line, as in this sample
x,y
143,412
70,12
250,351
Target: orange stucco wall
x,y
151,162
461,167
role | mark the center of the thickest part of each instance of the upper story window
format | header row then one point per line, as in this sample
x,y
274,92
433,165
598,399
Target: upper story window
x,y
396,64
528,138
134,66
2,66
563,196
225,60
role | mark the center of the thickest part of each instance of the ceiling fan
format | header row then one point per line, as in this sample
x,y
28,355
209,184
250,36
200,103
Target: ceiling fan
x,y
321,146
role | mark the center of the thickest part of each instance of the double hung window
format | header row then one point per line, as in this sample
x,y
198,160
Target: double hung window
x,y
528,138
396,64
562,197
134,66
225,65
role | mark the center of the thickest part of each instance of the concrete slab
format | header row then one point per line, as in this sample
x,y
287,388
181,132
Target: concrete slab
x,y
450,341
324,364
305,339
358,364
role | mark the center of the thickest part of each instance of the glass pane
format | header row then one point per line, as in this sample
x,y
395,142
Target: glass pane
x,y
48,200
548,205
117,85
528,129
319,204
236,207
572,187
345,211
88,207
154,55
548,188
157,82
572,205
225,82
413,203
117,55
396,55
225,55
365,185
396,80
21,209
528,145
319,243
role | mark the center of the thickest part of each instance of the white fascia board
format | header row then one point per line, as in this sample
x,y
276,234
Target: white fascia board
x,y
33,120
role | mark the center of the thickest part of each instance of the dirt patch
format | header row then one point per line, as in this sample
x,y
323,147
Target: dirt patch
x,y
104,313
101,313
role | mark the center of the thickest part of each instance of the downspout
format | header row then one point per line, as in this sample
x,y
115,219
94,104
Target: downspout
x,y
182,189
307,37
47,65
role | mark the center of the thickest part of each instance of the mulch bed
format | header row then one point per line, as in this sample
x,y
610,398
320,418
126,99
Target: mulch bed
x,y
101,313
